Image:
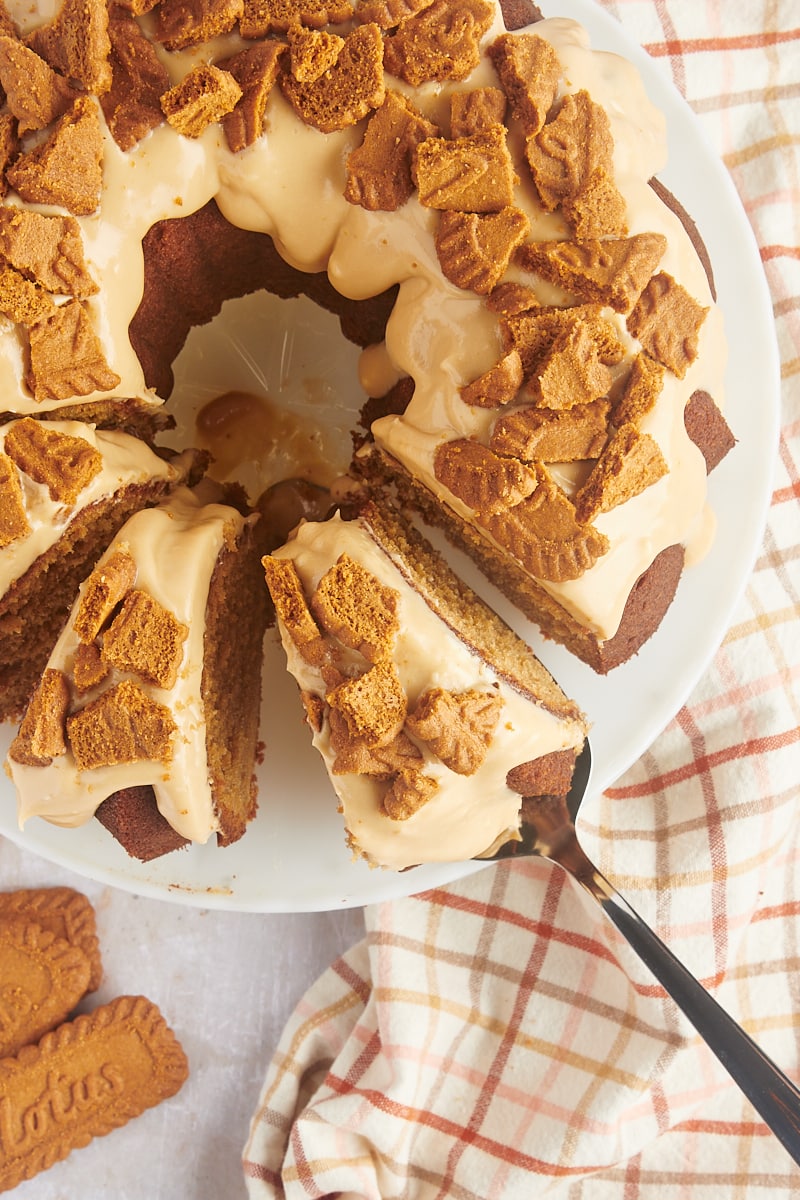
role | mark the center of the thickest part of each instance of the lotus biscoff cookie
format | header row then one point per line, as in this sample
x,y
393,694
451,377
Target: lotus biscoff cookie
x,y
62,911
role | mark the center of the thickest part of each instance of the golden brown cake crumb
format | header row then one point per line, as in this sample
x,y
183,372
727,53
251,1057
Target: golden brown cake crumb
x,y
132,105
357,608
458,726
529,71
65,168
485,481
373,704
13,514
185,23
349,90
498,385
630,462
122,725
667,320
610,271
145,639
379,170
440,42
35,94
66,357
204,95
255,70
473,174
261,17
105,588
76,43
41,735
65,464
407,794
548,435
474,249
47,249
476,111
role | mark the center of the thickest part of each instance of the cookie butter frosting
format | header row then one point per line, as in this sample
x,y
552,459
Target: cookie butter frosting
x,y
467,813
290,184
175,548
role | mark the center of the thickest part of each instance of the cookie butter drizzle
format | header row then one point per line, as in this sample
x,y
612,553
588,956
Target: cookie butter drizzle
x,y
175,547
467,813
290,183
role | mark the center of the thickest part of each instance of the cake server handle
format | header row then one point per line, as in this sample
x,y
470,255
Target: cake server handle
x,y
770,1092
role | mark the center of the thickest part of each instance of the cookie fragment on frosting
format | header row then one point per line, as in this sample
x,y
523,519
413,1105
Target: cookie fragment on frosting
x,y
21,300
132,105
312,52
667,320
76,43
40,738
63,463
122,725
610,271
529,70
457,726
379,170
485,481
349,90
471,174
66,358
256,71
571,163
204,95
145,639
184,23
13,514
630,463
407,794
497,386
47,250
441,42
106,587
535,434
474,249
35,94
373,704
476,110
355,607
260,17
65,168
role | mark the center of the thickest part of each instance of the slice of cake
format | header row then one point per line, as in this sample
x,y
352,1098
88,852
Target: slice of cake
x,y
65,490
431,715
150,699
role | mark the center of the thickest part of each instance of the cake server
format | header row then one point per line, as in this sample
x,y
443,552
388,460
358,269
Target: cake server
x,y
548,831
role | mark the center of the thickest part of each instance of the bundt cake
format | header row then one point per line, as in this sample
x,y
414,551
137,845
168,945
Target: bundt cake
x,y
472,191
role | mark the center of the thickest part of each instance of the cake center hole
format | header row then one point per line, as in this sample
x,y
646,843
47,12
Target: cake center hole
x,y
270,388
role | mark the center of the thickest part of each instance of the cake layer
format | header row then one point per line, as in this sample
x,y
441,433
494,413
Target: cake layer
x,y
424,706
66,489
155,679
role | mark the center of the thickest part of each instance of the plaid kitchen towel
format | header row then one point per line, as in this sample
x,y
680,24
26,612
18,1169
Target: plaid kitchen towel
x,y
496,1037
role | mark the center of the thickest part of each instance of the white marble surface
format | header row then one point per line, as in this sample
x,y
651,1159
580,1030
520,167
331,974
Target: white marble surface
x,y
226,983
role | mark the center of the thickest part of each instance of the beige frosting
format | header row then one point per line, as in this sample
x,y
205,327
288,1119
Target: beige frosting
x,y
126,461
467,813
290,184
175,547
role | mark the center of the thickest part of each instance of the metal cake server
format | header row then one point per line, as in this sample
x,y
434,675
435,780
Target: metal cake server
x,y
548,831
